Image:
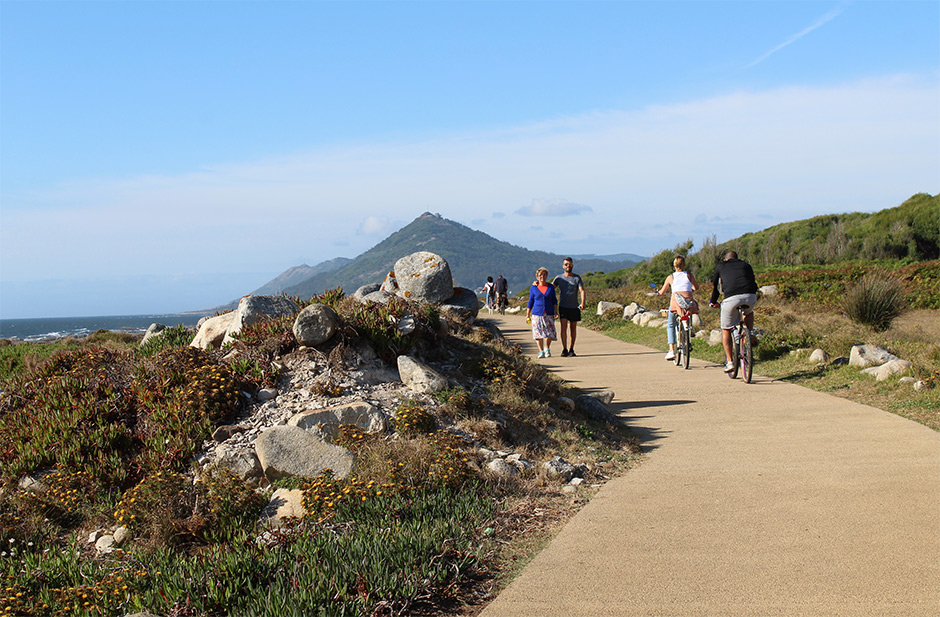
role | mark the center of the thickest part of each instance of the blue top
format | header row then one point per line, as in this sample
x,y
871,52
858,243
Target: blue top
x,y
542,303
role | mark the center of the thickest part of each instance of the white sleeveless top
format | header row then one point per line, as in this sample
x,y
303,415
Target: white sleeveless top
x,y
681,282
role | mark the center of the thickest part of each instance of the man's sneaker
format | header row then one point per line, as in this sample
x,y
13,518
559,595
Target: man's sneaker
x,y
671,355
729,366
571,353
564,353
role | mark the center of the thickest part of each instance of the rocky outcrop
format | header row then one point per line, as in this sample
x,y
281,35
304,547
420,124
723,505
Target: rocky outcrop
x,y
424,277
253,309
464,304
327,421
291,451
212,331
864,356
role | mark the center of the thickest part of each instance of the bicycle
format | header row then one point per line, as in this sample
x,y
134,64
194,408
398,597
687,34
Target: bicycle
x,y
741,349
683,340
502,301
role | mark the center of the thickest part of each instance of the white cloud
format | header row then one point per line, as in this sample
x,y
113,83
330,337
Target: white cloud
x,y
552,207
816,24
373,226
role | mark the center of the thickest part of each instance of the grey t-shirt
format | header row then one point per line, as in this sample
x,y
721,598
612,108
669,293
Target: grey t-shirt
x,y
568,288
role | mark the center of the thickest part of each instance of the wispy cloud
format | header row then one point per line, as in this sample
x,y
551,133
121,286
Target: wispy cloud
x,y
796,37
552,207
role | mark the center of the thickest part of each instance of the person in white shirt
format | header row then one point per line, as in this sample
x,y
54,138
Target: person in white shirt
x,y
682,284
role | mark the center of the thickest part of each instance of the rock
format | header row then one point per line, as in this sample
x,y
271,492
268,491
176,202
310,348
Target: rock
x,y
152,331
407,325
242,463
390,284
714,337
886,370
696,321
253,309
266,394
365,290
559,467
226,432
644,318
920,385
603,306
840,361
362,414
864,356
464,304
656,323
212,331
292,451
593,408
819,356
424,277
518,462
907,379
502,469
285,504
632,309
315,324
379,297
566,403
420,377
121,535
768,290
105,544
604,396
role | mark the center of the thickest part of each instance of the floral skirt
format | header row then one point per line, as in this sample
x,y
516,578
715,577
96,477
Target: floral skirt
x,y
543,326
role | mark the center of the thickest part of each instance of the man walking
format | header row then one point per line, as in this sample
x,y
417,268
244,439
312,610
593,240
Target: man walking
x,y
739,287
571,288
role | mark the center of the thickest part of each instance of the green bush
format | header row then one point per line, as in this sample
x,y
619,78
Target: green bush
x,y
875,301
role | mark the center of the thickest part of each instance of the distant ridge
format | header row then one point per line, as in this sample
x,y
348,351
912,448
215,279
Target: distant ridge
x,y
472,256
299,274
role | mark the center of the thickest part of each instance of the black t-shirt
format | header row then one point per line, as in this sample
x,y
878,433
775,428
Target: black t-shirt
x,y
736,277
501,286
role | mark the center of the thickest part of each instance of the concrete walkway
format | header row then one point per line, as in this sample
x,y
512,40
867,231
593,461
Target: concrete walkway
x,y
758,499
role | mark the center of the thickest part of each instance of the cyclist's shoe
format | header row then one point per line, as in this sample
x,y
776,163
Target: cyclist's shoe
x,y
564,353
571,353
671,355
729,366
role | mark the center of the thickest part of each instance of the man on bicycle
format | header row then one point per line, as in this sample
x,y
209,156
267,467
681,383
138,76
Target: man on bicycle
x,y
502,290
736,278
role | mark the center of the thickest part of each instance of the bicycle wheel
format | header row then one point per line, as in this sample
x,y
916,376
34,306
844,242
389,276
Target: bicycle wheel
x,y
684,343
735,352
747,357
678,359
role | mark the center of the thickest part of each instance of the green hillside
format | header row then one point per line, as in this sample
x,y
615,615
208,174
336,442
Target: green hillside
x,y
472,256
906,234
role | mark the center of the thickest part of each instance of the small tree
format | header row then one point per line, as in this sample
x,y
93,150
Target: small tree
x,y
875,300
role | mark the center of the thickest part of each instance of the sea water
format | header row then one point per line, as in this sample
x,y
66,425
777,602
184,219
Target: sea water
x,y
51,328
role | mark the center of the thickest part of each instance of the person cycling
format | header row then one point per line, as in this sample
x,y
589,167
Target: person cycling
x,y
681,302
736,278
502,293
489,290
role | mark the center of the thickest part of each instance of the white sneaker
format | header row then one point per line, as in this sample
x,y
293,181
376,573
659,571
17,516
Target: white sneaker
x,y
671,355
729,366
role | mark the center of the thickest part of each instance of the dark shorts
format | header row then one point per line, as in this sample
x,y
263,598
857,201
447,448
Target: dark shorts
x,y
569,314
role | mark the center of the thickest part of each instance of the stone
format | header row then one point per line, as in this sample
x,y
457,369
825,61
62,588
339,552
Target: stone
x,y
154,330
365,290
424,277
656,323
390,284
121,535
242,463
594,409
226,432
518,462
604,306
886,370
696,321
645,318
212,331
819,356
768,290
419,376
256,308
714,337
632,309
604,396
285,504
502,469
566,403
907,379
840,361
365,416
315,324
559,467
291,451
105,544
379,297
266,394
864,356
920,385
464,304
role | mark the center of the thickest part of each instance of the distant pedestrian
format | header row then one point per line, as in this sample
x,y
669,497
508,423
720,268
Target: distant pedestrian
x,y
541,312
570,304
489,293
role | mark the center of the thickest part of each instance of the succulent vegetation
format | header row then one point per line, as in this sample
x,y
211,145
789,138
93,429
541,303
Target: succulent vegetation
x,y
99,435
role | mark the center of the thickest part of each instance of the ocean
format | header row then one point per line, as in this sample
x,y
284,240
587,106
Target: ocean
x,y
51,328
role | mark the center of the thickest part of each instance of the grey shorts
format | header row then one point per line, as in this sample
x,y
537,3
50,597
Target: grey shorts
x,y
729,309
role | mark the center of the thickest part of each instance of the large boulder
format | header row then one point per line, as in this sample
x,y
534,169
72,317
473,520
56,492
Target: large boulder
x,y
327,421
291,451
594,409
212,331
253,309
603,306
315,324
365,290
889,368
419,376
154,330
424,277
464,304
864,356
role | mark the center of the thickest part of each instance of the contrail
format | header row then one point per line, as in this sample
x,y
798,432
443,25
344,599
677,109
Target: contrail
x,y
819,22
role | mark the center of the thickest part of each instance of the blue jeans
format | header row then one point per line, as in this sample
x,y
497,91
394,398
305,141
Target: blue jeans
x,y
671,328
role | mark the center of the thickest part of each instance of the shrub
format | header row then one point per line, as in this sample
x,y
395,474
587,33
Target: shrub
x,y
171,338
875,300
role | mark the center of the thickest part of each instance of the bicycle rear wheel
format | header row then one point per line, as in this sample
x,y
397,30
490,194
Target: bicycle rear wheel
x,y
678,353
747,355
684,342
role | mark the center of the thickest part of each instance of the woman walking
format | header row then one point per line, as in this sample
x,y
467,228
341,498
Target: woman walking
x,y
681,302
541,312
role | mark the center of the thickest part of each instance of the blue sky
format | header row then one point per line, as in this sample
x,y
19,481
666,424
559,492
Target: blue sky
x,y
161,156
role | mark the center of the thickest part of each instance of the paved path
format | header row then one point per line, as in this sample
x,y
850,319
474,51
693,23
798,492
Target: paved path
x,y
758,499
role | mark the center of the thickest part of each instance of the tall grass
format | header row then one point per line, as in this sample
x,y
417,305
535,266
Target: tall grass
x,y
875,300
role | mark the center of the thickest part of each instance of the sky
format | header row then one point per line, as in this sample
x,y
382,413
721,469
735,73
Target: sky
x,y
163,156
